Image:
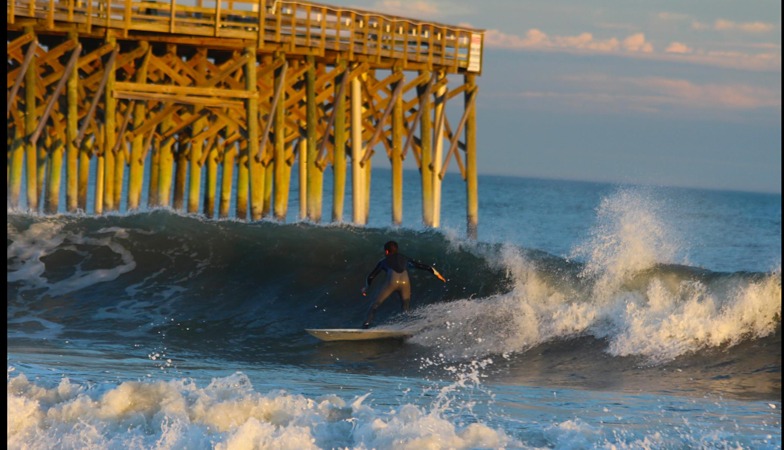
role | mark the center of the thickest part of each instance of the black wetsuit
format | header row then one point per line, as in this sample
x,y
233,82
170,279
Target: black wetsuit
x,y
395,265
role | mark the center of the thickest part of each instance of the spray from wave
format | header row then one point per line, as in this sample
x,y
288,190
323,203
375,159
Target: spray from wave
x,y
630,292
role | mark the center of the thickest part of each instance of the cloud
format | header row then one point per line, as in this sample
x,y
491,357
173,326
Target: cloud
x,y
653,95
677,47
637,43
688,94
536,39
729,25
765,57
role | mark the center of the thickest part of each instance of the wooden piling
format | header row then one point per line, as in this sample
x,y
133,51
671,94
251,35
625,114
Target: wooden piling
x,y
85,155
243,181
138,150
302,152
357,152
30,122
165,165
100,169
110,131
16,168
472,184
281,187
339,148
55,170
397,154
315,174
195,156
180,149
211,182
438,146
426,150
155,170
269,178
71,131
255,166
227,178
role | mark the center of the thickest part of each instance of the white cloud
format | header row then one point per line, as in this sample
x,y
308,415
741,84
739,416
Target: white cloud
x,y
637,43
536,39
763,56
677,47
709,95
747,27
729,25
653,96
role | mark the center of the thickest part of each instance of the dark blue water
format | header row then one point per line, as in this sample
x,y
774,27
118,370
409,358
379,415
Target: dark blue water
x,y
585,316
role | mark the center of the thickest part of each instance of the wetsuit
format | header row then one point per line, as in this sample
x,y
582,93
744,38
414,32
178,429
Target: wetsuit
x,y
395,265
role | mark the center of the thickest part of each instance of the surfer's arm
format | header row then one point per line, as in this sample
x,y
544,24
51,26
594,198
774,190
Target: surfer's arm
x,y
425,267
372,275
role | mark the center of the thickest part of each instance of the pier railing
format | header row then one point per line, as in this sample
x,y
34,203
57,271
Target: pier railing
x,y
291,26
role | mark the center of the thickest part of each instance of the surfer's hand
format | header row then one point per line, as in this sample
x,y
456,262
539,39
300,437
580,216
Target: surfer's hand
x,y
440,277
364,291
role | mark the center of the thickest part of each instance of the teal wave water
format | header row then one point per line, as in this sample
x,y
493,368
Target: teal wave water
x,y
586,315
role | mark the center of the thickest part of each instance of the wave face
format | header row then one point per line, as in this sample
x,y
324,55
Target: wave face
x,y
159,283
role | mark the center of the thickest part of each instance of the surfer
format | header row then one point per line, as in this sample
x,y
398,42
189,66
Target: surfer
x,y
396,267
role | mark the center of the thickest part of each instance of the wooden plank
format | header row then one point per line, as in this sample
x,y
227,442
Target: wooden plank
x,y
182,99
194,91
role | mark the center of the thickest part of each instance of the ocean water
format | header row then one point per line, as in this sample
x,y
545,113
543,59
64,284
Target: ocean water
x,y
585,315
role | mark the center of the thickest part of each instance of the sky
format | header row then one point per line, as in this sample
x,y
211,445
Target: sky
x,y
674,93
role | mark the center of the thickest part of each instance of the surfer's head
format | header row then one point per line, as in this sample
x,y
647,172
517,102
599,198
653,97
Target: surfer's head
x,y
390,247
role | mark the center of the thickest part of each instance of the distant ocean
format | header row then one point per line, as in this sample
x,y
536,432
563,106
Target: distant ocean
x,y
585,315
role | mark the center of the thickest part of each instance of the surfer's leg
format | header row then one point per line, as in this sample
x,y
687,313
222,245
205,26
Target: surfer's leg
x,y
380,299
405,296
404,289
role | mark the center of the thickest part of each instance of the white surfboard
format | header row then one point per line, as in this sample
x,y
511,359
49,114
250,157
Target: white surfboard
x,y
356,334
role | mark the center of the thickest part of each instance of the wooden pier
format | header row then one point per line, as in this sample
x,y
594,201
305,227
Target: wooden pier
x,y
207,105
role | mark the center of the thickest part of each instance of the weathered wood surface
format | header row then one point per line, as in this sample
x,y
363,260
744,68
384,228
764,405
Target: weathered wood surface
x,y
294,27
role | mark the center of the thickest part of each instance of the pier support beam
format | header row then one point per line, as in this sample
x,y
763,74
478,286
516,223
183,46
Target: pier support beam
x,y
30,123
180,171
138,152
71,130
227,179
85,155
165,165
438,146
210,159
110,132
397,154
426,146
357,152
155,169
211,183
255,167
315,178
56,149
196,154
281,186
472,196
339,149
